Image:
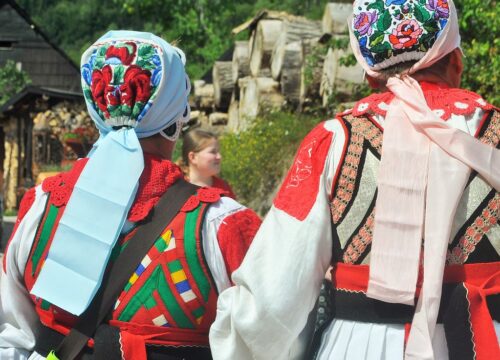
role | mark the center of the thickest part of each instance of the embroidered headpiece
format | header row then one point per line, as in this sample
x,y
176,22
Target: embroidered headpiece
x,y
392,31
125,73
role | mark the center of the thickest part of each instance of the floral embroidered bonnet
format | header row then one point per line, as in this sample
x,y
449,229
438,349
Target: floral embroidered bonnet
x,y
425,162
135,86
398,30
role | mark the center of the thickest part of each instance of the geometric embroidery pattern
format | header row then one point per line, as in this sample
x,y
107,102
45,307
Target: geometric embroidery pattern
x,y
488,216
361,129
363,133
175,288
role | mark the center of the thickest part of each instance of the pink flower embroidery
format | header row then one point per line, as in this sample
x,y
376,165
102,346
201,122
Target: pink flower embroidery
x,y
405,35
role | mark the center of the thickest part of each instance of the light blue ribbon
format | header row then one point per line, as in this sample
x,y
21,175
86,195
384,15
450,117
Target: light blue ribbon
x,y
91,223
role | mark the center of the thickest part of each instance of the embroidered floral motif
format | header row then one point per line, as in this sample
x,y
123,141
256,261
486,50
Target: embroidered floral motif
x,y
297,201
442,100
122,78
302,167
385,30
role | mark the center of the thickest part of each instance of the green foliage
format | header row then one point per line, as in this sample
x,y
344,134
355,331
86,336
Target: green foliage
x,y
11,81
255,160
480,31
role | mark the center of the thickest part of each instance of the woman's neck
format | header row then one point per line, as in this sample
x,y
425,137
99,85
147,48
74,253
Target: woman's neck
x,y
198,179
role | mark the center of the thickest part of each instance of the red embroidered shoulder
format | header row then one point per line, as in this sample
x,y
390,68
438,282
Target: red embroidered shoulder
x,y
444,101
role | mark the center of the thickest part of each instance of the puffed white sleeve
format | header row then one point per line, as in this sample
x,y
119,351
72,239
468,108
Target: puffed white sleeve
x,y
17,313
277,285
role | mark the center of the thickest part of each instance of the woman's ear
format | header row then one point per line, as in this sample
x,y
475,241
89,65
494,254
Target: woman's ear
x,y
191,157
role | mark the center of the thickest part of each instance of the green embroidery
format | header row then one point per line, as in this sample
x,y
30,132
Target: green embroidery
x,y
174,266
44,237
192,254
143,298
45,305
160,245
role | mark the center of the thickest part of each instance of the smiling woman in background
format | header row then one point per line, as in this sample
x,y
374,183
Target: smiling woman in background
x,y
201,160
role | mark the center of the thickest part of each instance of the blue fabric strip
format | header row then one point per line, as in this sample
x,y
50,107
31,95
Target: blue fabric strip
x,y
91,223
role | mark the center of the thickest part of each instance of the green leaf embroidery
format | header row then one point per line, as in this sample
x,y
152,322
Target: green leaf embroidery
x,y
384,21
99,62
377,38
431,27
146,51
118,73
421,14
87,93
125,110
114,110
138,106
381,47
145,64
102,51
379,5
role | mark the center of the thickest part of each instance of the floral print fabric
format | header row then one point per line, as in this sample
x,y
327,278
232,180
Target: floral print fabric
x,y
388,28
121,79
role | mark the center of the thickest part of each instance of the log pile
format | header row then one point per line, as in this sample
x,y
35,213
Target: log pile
x,y
287,61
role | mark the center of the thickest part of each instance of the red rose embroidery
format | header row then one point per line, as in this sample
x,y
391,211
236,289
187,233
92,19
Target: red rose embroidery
x,y
99,87
123,53
136,86
405,35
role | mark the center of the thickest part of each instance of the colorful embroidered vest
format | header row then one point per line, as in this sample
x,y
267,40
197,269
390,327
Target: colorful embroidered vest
x,y
476,228
170,298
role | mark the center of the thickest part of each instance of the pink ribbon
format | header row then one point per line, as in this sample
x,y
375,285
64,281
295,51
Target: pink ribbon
x,y
424,168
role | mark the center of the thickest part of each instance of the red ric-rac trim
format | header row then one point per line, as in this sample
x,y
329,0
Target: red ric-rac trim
x,y
444,101
298,193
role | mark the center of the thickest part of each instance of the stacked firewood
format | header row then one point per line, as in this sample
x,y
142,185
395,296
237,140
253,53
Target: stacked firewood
x,y
287,61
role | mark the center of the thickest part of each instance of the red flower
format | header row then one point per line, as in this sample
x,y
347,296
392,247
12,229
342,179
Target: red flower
x,y
99,87
405,35
136,86
122,53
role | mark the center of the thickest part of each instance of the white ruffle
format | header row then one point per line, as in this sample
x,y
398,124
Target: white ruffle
x,y
353,340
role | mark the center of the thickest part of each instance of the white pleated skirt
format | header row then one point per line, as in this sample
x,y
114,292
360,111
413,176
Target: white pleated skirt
x,y
352,340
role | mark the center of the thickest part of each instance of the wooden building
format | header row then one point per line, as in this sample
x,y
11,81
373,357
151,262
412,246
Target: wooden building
x,y
24,148
55,85
22,41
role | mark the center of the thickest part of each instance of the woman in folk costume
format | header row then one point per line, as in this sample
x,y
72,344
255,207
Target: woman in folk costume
x,y
400,195
77,224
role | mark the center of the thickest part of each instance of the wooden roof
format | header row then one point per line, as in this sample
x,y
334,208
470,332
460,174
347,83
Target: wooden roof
x,y
22,41
30,92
